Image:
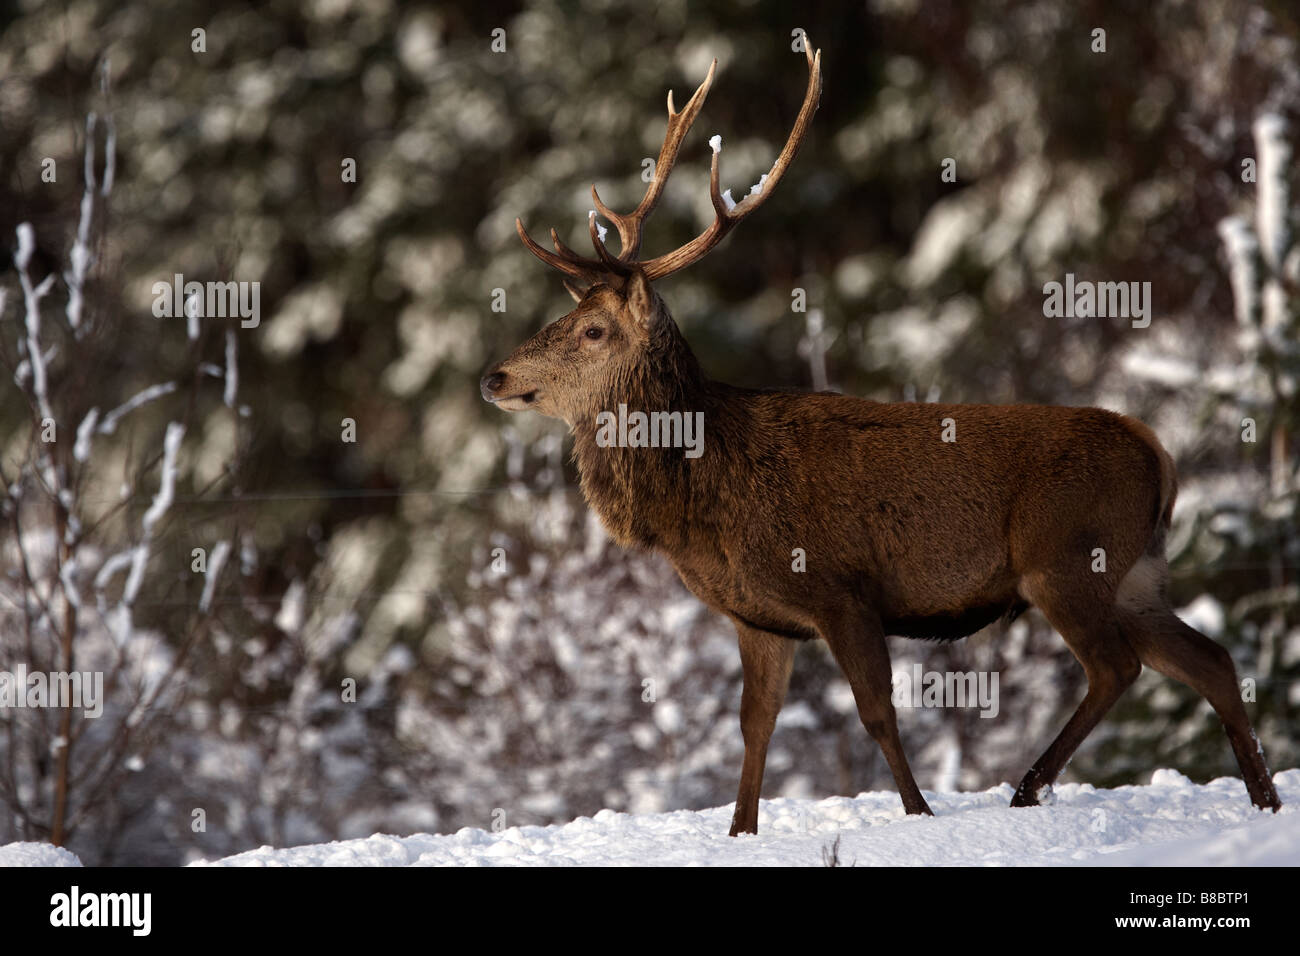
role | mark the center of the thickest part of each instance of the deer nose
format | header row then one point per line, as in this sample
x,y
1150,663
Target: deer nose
x,y
490,384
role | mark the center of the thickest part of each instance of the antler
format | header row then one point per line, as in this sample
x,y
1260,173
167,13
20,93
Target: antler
x,y
728,213
629,226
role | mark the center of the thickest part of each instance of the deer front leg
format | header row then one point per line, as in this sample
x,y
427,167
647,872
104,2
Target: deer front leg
x,y
766,659
858,643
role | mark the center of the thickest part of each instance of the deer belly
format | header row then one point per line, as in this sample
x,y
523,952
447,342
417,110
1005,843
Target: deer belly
x,y
953,625
767,610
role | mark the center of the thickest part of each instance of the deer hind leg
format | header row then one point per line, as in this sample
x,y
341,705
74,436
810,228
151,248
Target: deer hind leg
x,y
860,650
1083,613
766,659
1166,644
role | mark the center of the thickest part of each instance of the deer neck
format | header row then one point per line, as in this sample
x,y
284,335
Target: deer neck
x,y
644,456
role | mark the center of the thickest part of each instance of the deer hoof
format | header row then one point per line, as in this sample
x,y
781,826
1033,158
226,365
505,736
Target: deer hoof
x,y
1024,798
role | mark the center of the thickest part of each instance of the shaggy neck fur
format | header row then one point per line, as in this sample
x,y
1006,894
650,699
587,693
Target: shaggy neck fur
x,y
625,486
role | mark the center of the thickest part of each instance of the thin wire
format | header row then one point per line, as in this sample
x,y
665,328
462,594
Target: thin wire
x,y
336,493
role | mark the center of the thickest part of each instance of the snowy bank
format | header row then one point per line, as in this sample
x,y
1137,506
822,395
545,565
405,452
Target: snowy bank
x,y
1171,821
36,854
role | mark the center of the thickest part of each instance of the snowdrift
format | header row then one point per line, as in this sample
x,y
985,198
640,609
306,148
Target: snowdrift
x,y
1169,822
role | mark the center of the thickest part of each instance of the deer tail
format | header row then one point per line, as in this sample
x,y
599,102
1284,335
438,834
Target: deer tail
x,y
1164,513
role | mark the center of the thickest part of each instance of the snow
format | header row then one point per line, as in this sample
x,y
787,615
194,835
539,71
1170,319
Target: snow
x,y
715,143
32,300
1273,199
232,370
36,854
600,230
1241,248
161,502
26,245
193,309
215,563
1168,370
110,151
85,431
1205,614
80,256
109,424
948,228
68,577
1169,822
1170,819
754,190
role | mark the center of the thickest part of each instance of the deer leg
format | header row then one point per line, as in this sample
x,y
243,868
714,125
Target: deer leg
x,y
766,659
1168,645
1090,626
860,650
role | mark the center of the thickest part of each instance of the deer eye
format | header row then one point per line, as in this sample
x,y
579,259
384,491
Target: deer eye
x,y
594,332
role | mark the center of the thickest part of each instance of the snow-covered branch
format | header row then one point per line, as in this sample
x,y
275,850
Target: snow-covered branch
x,y
161,503
32,296
109,424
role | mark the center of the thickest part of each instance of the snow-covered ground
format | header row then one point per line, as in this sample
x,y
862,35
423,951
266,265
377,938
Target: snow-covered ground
x,y
1170,822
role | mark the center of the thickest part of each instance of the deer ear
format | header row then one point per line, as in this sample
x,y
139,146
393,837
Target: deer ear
x,y
575,290
642,301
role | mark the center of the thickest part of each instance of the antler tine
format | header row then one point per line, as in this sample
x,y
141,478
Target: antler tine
x,y
567,253
726,219
611,263
567,261
630,226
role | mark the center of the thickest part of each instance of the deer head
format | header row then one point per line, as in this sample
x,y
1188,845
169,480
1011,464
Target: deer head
x,y
621,328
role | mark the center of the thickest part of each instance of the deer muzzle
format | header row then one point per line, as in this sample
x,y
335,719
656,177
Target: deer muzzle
x,y
495,388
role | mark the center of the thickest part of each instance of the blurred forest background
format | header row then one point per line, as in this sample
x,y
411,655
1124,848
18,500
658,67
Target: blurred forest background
x,y
314,633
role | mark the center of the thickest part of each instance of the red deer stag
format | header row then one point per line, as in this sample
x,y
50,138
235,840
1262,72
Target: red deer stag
x,y
903,533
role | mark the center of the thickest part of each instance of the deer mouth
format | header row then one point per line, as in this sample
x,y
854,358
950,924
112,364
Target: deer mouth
x,y
518,403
